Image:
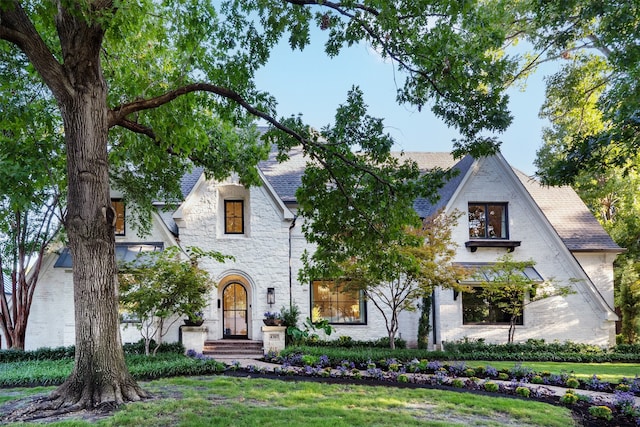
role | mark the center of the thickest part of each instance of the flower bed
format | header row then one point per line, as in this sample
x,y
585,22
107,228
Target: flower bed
x,y
617,408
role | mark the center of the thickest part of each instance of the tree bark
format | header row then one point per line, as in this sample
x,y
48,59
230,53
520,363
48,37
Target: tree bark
x,y
100,375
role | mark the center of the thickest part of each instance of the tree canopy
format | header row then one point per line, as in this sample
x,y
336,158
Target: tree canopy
x,y
145,90
593,99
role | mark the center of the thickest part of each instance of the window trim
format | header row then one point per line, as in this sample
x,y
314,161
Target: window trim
x,y
124,216
361,299
519,321
486,205
242,224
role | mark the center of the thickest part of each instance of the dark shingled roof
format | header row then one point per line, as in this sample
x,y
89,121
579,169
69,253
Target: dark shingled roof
x,y
285,177
570,217
564,209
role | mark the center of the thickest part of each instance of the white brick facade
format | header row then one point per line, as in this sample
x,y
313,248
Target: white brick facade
x,y
268,255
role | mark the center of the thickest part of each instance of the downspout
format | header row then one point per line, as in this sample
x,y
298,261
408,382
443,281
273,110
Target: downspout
x,y
434,323
293,224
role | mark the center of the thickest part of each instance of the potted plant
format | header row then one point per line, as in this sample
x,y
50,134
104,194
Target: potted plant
x,y
272,318
195,319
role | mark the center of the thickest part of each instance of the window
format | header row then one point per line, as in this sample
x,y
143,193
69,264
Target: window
x,y
330,301
233,216
118,206
488,221
479,309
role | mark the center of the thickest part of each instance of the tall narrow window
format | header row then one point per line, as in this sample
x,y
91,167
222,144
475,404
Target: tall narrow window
x,y
118,206
234,217
488,221
329,300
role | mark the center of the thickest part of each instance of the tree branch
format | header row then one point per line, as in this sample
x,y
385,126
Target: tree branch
x,y
17,28
117,117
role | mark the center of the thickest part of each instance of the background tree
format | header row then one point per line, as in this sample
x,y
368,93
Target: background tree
x,y
611,195
592,101
369,237
158,288
505,286
628,301
395,278
145,90
31,194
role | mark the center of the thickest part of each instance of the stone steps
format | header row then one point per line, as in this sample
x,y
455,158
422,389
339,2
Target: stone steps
x,y
233,347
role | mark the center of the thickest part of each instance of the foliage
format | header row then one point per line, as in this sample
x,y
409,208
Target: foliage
x,y
309,331
592,101
491,387
424,324
523,391
505,285
51,372
158,287
601,412
32,182
628,301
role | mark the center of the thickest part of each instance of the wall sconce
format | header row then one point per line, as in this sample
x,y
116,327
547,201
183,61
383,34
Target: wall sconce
x,y
271,296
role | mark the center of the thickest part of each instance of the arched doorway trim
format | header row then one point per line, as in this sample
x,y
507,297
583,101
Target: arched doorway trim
x,y
235,296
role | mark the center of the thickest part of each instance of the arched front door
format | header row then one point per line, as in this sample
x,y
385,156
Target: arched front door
x,y
234,316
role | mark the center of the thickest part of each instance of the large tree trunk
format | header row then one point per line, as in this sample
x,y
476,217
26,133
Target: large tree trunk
x,y
100,375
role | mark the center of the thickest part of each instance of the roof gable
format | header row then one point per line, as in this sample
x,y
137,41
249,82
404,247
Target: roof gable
x,y
563,208
570,217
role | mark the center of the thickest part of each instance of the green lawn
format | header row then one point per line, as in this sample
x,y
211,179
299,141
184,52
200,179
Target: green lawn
x,y
611,372
232,401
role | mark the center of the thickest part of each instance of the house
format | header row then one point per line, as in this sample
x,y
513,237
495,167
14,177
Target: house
x,y
506,212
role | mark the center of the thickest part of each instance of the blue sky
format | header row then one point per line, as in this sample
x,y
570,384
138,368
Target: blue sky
x,y
310,83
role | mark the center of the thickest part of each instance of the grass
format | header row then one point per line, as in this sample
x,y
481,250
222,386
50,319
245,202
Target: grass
x,y
610,372
234,401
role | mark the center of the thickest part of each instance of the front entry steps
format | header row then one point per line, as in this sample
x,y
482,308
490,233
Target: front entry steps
x,y
230,347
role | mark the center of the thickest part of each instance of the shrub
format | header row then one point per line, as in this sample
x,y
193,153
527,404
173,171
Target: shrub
x,y
469,372
310,360
503,376
569,398
523,391
492,387
572,382
623,387
537,379
601,412
403,378
138,347
458,383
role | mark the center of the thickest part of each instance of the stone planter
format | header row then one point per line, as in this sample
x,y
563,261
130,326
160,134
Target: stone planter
x,y
193,337
272,322
273,338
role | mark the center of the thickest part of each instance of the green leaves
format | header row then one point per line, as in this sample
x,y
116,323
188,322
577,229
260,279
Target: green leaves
x,y
593,100
159,285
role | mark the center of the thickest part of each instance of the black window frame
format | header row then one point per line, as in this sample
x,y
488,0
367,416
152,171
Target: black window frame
x,y
486,207
361,300
226,217
492,311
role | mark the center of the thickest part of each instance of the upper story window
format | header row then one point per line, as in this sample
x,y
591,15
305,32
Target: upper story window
x,y
118,206
329,300
488,221
234,217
